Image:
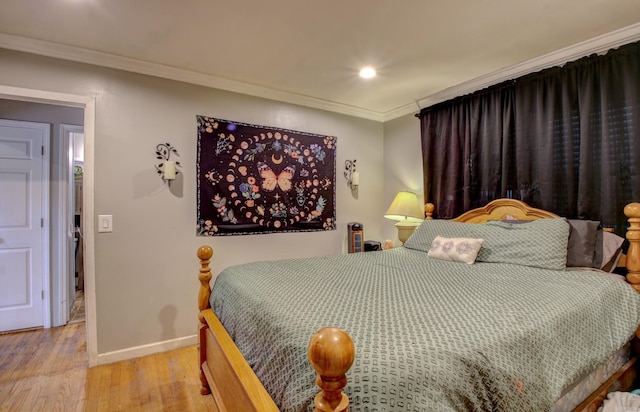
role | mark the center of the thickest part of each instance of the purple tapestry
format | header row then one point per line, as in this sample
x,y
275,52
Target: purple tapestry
x,y
257,179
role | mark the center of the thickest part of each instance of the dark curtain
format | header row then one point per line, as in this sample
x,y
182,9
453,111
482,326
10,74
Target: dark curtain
x,y
566,139
463,143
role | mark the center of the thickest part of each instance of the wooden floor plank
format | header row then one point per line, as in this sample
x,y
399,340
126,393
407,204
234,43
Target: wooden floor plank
x,y
46,370
150,366
126,383
72,388
187,365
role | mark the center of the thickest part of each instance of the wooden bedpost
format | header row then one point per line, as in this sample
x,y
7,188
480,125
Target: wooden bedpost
x,y
204,254
632,211
428,210
331,353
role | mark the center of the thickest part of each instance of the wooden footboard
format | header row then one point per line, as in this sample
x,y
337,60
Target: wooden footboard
x,y
229,378
233,384
223,370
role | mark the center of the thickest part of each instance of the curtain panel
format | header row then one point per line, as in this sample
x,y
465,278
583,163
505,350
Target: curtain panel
x,y
565,139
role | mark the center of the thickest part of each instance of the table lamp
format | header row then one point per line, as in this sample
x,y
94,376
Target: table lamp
x,y
406,209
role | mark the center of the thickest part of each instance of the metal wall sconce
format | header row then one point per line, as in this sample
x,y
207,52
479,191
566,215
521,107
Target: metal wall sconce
x,y
167,169
351,174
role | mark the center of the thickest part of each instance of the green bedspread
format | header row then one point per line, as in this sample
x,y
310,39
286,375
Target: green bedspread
x,y
430,335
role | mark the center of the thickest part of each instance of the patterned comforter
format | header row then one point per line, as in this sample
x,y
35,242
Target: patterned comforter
x,y
430,335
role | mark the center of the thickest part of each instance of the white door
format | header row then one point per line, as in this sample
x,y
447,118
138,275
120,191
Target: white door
x,y
23,196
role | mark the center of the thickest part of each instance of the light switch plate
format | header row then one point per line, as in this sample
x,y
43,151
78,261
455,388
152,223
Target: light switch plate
x,y
105,223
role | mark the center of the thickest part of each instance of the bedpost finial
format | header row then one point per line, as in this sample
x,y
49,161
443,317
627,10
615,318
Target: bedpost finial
x,y
205,252
428,210
331,353
204,276
632,210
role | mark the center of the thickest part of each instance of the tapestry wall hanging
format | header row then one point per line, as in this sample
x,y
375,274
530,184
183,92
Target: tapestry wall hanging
x,y
258,179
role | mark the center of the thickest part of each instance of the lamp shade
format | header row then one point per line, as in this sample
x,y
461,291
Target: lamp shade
x,y
169,170
355,178
405,207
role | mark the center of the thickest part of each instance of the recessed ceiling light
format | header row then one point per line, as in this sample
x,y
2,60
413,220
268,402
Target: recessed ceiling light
x,y
367,72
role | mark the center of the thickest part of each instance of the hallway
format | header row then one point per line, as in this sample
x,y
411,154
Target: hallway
x,y
77,311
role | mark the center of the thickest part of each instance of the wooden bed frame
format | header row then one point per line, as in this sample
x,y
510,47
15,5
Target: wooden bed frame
x,y
226,375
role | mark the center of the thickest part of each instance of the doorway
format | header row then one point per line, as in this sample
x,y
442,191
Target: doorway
x,y
75,279
70,282
86,105
55,218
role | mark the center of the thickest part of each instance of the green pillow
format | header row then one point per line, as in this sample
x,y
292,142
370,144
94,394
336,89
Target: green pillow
x,y
539,243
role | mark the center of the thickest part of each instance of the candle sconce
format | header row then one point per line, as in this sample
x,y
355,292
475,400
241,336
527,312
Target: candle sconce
x,y
351,174
167,168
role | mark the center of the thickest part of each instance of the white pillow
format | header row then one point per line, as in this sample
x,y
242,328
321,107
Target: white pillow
x,y
458,249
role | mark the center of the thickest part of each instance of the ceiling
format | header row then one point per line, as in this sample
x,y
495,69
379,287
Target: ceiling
x,y
309,52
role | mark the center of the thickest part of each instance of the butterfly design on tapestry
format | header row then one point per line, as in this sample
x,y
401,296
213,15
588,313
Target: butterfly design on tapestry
x,y
271,180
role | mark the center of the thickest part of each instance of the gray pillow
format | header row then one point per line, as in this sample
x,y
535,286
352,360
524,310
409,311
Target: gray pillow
x,y
608,250
581,247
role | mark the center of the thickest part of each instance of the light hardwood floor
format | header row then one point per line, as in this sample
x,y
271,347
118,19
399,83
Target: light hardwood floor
x,y
46,370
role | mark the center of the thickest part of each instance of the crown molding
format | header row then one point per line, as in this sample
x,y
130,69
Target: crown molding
x,y
411,108
80,55
598,45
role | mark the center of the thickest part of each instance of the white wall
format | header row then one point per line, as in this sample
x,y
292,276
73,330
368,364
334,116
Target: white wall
x,y
146,270
402,164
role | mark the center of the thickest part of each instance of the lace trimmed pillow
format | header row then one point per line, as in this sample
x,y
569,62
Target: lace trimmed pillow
x,y
459,249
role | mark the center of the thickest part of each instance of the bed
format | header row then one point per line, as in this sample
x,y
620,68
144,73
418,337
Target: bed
x,y
508,331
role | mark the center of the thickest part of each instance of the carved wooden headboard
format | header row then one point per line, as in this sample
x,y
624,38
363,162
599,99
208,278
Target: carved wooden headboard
x,y
502,209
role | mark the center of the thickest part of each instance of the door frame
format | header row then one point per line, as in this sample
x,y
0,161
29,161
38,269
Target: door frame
x,y
62,273
88,103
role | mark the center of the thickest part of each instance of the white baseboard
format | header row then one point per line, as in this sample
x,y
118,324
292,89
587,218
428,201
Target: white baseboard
x,y
138,351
